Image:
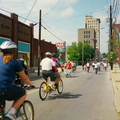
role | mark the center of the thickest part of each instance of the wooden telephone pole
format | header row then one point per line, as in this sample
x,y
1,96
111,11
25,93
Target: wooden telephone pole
x,y
111,44
39,43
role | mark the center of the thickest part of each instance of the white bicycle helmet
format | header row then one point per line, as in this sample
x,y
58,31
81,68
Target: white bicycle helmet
x,y
48,54
8,46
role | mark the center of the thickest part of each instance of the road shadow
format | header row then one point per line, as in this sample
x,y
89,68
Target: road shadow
x,y
72,76
64,96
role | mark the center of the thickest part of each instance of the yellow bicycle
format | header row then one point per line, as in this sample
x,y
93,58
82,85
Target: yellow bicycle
x,y
44,88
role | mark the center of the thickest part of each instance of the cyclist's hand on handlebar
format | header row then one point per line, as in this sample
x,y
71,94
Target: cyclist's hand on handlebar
x,y
31,86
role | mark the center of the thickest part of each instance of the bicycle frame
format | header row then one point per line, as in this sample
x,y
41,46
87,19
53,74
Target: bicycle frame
x,y
48,88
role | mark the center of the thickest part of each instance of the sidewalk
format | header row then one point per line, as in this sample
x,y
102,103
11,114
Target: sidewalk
x,y
34,75
115,75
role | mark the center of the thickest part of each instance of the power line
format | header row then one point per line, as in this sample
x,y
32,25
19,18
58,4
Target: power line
x,y
52,33
30,10
47,25
52,8
36,23
78,15
4,10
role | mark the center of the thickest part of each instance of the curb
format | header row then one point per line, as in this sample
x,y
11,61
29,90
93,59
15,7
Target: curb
x,y
116,89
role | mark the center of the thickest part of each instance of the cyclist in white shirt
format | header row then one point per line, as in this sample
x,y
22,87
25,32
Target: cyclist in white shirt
x,y
88,66
104,65
96,65
48,68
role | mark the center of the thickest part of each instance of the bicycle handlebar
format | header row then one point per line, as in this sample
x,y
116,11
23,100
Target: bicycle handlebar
x,y
27,86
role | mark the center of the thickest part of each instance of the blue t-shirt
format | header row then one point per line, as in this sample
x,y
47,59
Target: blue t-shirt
x,y
8,72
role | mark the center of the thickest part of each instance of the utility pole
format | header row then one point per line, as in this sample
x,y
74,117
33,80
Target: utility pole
x,y
39,43
111,44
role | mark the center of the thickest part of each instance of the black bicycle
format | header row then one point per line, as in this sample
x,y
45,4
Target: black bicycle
x,y
24,112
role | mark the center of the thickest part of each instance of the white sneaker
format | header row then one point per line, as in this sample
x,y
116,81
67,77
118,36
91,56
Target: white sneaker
x,y
10,116
52,83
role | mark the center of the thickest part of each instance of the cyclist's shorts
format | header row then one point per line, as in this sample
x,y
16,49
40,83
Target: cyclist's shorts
x,y
49,73
57,75
12,93
2,103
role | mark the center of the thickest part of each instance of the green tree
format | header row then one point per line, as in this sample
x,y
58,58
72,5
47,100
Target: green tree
x,y
112,56
88,52
72,52
77,50
104,55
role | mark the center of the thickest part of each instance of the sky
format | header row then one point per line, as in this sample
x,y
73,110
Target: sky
x,y
61,19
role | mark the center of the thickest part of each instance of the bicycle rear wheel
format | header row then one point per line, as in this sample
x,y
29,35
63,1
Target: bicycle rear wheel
x,y
60,87
43,91
26,111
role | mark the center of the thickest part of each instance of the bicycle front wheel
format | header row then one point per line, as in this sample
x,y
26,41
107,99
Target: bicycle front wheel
x,y
43,91
60,87
26,111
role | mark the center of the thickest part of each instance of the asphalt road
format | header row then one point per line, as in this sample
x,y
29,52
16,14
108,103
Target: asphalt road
x,y
86,96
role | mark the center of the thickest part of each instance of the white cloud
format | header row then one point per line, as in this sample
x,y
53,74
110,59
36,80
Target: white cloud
x,y
69,2
67,12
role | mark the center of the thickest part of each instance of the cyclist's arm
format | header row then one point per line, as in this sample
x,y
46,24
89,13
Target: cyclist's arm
x,y
54,68
25,78
60,65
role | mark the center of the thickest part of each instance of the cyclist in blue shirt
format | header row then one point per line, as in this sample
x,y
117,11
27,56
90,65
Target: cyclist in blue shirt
x,y
8,68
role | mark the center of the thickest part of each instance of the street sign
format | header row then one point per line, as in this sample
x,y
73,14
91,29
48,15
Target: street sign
x,y
60,44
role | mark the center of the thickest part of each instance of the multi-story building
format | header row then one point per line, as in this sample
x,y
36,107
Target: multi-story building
x,y
116,37
86,35
91,34
95,24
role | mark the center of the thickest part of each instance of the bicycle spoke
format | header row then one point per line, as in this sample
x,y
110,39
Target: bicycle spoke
x,y
26,111
43,91
60,87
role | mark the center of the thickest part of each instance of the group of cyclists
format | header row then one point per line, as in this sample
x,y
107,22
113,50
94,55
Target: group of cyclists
x,y
11,67
96,65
